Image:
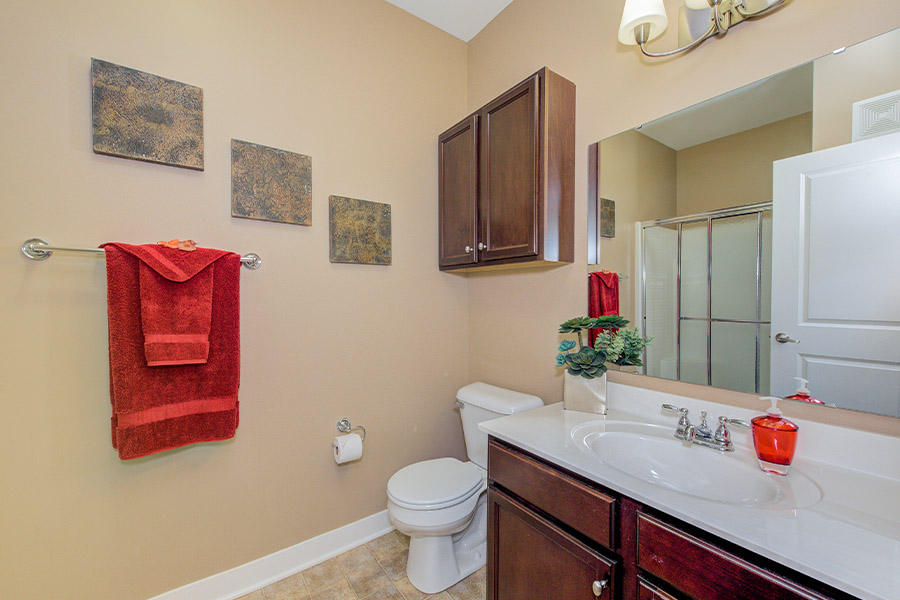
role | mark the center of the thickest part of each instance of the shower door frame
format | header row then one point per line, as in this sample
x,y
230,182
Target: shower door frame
x,y
708,217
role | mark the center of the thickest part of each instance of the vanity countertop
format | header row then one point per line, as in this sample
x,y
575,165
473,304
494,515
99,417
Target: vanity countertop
x,y
850,539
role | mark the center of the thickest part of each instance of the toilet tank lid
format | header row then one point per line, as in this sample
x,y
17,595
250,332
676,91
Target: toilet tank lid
x,y
497,399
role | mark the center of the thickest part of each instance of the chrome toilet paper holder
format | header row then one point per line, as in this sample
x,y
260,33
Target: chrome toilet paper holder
x,y
344,426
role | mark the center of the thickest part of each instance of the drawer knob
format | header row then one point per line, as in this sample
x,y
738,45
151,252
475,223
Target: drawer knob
x,y
598,586
482,246
469,249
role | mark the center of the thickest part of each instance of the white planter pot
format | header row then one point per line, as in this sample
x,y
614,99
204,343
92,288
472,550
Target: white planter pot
x,y
586,395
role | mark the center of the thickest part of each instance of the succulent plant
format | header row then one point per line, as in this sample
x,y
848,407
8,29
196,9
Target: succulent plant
x,y
587,363
622,347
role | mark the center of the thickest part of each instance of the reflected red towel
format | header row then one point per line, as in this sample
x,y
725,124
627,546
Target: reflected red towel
x,y
603,297
157,408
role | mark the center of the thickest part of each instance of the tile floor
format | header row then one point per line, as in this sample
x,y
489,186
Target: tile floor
x,y
373,571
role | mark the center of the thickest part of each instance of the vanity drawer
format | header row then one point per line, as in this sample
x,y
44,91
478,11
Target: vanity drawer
x,y
564,498
704,571
647,591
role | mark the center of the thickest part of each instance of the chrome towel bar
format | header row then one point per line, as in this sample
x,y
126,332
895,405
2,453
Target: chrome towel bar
x,y
38,249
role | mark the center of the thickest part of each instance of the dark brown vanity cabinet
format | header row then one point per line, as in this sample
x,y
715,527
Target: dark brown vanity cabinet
x,y
554,536
507,177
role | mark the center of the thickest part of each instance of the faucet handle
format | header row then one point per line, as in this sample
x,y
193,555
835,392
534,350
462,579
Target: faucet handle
x,y
684,429
735,422
722,433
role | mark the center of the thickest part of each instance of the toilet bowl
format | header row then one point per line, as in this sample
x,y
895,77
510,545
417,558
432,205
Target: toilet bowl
x,y
441,504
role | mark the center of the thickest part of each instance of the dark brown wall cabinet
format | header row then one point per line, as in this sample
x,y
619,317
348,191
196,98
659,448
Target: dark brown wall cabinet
x,y
507,179
554,536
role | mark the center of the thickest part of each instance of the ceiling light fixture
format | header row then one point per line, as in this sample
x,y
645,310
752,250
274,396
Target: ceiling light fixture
x,y
645,20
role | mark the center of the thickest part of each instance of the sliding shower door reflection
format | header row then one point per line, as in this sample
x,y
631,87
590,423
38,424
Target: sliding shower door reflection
x,y
705,298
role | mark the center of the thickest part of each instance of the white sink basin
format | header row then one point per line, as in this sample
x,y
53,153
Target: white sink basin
x,y
652,454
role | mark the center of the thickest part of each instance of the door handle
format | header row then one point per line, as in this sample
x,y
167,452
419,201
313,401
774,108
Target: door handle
x,y
598,586
783,338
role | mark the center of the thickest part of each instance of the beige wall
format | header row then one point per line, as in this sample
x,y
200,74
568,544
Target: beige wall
x,y
364,89
513,317
639,174
853,75
742,164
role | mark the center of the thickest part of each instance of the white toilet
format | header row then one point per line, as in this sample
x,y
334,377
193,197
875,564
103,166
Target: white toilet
x,y
441,503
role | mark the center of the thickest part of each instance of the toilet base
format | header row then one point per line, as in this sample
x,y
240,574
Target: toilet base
x,y
437,562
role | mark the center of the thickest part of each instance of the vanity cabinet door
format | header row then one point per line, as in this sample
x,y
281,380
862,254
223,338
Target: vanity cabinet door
x,y
530,558
458,193
510,173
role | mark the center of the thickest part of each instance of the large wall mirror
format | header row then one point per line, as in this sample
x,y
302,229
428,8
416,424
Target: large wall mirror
x,y
717,255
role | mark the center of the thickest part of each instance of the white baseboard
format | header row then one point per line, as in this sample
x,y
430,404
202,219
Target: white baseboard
x,y
264,571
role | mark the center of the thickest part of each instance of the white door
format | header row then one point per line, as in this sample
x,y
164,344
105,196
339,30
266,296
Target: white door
x,y
836,275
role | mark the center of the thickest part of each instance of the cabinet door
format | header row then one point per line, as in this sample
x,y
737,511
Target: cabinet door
x,y
530,558
510,206
458,193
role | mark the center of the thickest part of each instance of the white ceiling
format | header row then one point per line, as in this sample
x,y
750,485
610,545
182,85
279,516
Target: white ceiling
x,y
461,18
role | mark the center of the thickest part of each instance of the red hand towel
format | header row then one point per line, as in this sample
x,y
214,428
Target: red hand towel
x,y
603,297
157,408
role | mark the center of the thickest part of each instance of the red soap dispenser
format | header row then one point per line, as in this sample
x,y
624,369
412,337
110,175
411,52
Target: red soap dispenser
x,y
774,438
802,393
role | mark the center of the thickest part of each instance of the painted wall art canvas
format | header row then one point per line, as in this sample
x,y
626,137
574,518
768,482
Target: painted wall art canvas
x,y
270,184
607,218
360,231
146,117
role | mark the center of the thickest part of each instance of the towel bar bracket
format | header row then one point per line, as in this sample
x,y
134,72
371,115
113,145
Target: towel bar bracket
x,y
38,249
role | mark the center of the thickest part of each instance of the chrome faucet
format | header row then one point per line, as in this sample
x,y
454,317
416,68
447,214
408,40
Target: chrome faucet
x,y
702,435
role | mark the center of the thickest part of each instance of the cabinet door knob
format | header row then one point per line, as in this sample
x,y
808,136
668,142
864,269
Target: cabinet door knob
x,y
482,246
469,249
598,586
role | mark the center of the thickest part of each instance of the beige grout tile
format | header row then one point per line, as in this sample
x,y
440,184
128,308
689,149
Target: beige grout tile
x,y
257,595
368,580
467,589
322,575
289,588
388,593
386,547
395,566
340,590
404,539
441,596
356,559
409,591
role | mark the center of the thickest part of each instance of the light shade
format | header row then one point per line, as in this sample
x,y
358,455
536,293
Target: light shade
x,y
697,4
642,12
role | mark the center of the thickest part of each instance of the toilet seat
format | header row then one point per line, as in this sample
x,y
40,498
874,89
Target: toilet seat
x,y
435,484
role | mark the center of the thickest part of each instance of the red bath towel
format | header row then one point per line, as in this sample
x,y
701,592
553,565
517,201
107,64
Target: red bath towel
x,y
174,346
603,297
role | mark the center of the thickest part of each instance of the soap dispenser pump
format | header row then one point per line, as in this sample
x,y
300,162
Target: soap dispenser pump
x,y
774,439
802,392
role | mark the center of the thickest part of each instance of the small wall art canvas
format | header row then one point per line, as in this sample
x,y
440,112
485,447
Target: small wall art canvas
x,y
146,117
360,231
270,184
607,218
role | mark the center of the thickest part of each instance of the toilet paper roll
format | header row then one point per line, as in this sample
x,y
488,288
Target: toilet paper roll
x,y
347,448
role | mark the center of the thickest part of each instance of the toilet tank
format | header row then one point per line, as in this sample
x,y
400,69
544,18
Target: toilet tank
x,y
481,402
